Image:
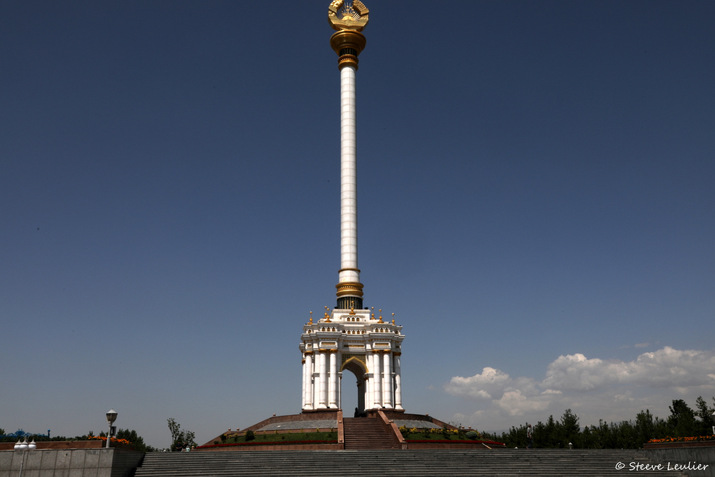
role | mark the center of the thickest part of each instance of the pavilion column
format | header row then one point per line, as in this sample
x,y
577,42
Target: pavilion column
x,y
398,382
340,390
361,393
377,377
308,381
368,381
333,382
305,384
387,381
322,381
302,392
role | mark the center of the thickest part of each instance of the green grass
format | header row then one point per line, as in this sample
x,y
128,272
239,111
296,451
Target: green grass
x,y
331,436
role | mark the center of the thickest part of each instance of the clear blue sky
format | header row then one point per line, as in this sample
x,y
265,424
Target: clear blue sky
x,y
536,206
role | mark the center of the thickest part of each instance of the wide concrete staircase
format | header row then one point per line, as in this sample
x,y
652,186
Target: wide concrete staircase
x,y
497,462
363,433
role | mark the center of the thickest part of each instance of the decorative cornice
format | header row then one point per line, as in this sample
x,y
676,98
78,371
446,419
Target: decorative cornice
x,y
349,289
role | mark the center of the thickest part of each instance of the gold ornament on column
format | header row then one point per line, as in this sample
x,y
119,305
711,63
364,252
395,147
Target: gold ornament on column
x,y
348,17
348,20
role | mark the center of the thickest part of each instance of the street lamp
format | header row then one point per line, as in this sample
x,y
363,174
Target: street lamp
x,y
24,447
111,417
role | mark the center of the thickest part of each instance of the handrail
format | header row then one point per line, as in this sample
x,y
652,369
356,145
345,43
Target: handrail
x,y
393,427
341,428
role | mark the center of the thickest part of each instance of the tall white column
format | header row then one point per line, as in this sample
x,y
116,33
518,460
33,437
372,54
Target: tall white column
x,y
368,381
377,378
340,390
322,381
333,381
398,382
387,381
302,392
348,178
308,381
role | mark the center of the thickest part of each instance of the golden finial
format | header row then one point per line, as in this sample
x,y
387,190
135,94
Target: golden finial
x,y
310,322
352,307
380,310
393,318
372,317
327,316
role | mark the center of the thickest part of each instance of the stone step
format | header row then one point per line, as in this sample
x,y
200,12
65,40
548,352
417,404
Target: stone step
x,y
367,433
394,462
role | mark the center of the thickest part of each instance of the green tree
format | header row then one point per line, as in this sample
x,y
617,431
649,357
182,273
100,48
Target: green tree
x,y
645,426
180,439
682,419
705,416
136,440
570,429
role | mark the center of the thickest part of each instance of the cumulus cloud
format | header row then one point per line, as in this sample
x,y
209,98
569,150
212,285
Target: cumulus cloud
x,y
591,384
667,367
480,386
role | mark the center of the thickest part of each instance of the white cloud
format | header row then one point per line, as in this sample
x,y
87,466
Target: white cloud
x,y
480,386
516,403
592,387
667,367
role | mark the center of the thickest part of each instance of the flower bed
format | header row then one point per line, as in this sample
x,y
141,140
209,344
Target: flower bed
x,y
114,442
682,439
674,442
263,443
273,438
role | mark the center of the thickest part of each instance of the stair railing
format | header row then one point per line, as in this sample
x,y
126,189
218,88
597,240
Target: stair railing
x,y
393,429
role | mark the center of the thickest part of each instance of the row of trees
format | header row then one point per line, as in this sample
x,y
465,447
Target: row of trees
x,y
682,422
180,439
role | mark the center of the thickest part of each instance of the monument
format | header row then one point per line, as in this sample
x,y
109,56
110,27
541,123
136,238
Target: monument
x,y
349,337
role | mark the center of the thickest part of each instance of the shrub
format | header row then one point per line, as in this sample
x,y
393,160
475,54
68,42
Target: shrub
x,y
250,436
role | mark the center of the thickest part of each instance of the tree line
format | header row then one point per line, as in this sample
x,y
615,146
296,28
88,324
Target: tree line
x,y
683,421
180,439
130,435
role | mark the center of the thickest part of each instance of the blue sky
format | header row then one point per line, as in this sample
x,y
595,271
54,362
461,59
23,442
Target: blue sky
x,y
535,205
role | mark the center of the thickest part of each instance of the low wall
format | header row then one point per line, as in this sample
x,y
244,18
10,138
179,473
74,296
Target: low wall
x,y
697,458
99,462
90,444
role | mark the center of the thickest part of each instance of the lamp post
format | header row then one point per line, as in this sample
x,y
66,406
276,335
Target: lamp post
x,y
111,417
24,447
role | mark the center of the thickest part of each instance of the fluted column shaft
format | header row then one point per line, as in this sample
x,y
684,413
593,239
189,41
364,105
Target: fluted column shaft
x,y
398,382
387,381
322,381
348,178
308,381
333,381
377,378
